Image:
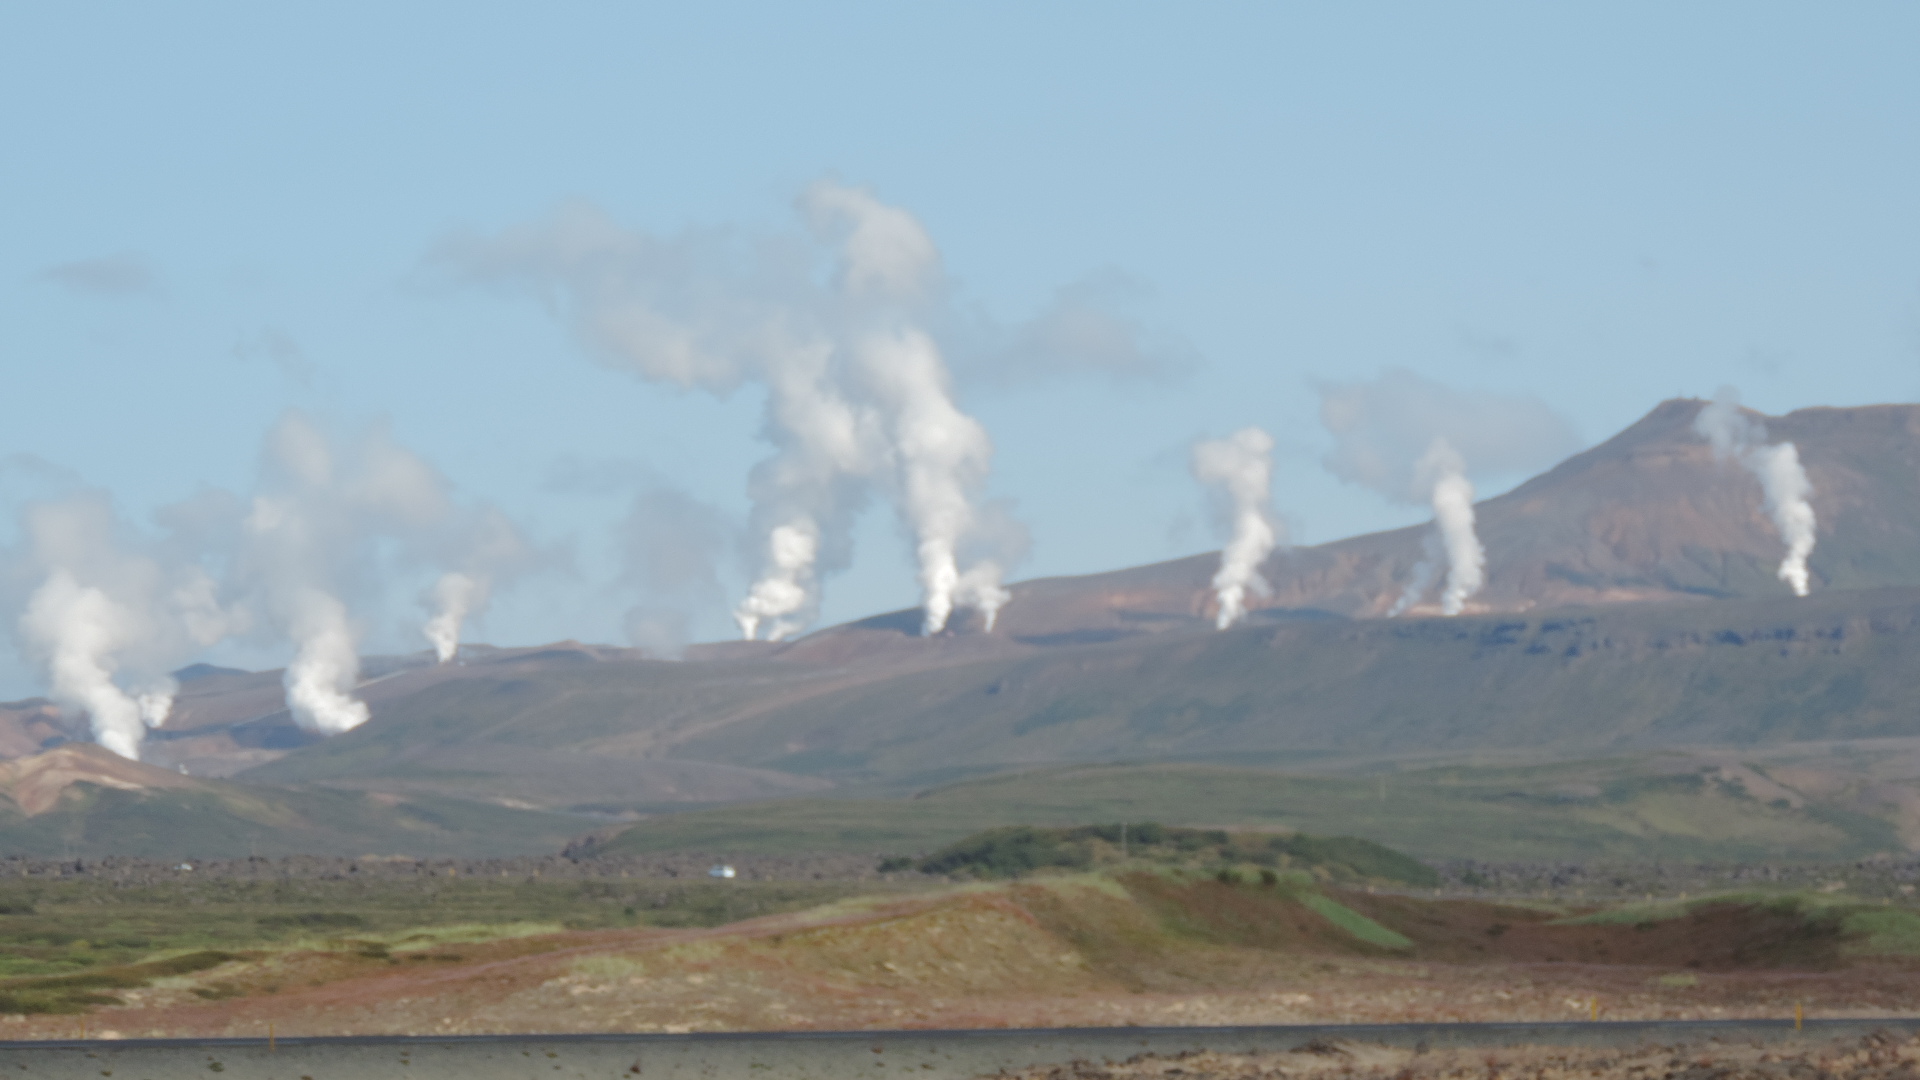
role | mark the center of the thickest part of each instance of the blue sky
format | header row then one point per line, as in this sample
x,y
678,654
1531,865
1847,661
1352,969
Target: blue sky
x,y
210,213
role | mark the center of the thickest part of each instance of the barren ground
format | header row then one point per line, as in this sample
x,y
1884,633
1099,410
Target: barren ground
x,y
1875,1056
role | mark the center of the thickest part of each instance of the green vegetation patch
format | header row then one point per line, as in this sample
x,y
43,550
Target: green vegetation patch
x,y
311,920
1353,922
1809,907
67,943
74,993
1886,931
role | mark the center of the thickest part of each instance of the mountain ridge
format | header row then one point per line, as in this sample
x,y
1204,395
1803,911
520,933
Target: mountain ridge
x,y
1646,515
1632,606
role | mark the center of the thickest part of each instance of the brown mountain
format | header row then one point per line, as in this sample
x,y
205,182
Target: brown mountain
x,y
1631,605
1648,515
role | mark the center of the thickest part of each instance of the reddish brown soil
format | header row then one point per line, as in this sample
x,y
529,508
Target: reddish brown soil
x,y
1711,937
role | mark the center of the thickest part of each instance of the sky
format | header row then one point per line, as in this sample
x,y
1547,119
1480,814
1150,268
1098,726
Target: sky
x,y
211,214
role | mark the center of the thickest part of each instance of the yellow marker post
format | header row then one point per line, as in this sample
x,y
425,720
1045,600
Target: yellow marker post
x,y
1595,1003
1799,1014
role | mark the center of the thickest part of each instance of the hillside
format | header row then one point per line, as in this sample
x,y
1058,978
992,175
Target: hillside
x,y
1647,515
28,727
1631,607
1073,673
82,800
1321,694
1793,804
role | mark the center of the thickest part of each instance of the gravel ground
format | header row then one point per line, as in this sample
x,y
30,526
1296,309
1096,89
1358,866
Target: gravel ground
x,y
1872,1057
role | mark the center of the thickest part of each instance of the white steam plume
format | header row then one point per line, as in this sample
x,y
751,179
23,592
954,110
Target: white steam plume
x,y
1421,579
455,596
1453,522
785,587
1240,467
312,531
981,589
81,631
859,399
1788,491
829,449
1733,434
325,667
486,547
942,457
110,615
1410,439
292,544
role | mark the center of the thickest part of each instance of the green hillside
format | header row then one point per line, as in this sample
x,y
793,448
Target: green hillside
x,y
1626,809
538,732
1302,695
214,820
1574,683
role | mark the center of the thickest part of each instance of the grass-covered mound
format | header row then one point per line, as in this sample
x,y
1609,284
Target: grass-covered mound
x,y
68,944
1022,849
74,993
